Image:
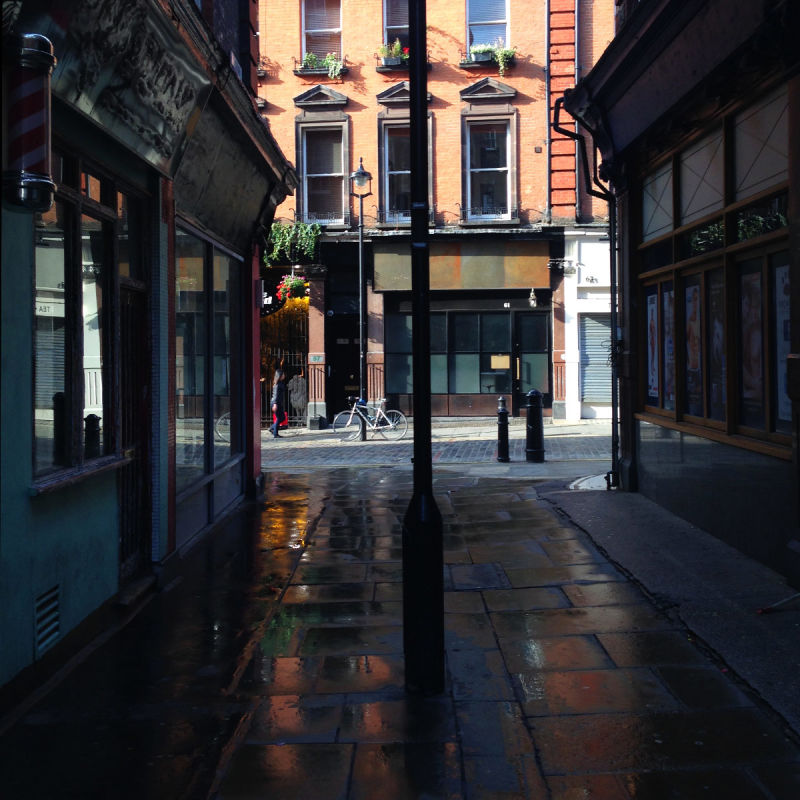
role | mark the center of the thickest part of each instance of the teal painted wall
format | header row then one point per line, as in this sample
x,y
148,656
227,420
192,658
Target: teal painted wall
x,y
67,538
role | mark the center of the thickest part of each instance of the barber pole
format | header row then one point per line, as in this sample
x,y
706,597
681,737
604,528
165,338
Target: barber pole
x,y
27,180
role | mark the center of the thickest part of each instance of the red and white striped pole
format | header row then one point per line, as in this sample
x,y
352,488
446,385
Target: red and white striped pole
x,y
27,158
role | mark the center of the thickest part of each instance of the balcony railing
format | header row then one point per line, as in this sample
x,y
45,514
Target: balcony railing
x,y
482,214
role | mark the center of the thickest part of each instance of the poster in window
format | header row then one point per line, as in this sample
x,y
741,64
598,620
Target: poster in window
x,y
751,345
694,362
668,317
652,348
782,318
716,339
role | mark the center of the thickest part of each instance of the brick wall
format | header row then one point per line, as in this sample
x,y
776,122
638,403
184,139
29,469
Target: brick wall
x,y
280,41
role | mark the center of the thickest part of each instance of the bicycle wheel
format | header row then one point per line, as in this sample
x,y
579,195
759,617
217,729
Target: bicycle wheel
x,y
222,427
347,426
394,426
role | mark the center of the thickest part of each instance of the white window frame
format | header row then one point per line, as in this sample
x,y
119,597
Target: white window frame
x,y
471,203
393,215
312,31
392,32
306,215
472,5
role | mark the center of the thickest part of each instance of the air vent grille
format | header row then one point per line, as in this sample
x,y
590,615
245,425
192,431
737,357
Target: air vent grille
x,y
48,620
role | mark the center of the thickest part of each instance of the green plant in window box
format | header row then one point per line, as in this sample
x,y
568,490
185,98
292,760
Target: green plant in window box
x,y
393,53
311,61
504,56
333,64
482,52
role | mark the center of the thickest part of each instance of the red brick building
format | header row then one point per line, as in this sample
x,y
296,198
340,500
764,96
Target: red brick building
x,y
518,250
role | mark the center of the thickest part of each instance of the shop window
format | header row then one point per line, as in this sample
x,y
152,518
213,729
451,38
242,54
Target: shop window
x,y
322,27
207,414
323,175
396,21
488,184
486,22
716,291
73,340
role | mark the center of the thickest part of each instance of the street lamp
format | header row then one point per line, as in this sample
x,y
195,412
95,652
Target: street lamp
x,y
361,181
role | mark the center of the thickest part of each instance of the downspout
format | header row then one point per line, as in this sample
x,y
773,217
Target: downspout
x,y
612,477
548,211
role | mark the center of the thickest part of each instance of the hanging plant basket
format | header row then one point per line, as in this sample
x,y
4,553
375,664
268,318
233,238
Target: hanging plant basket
x,y
292,286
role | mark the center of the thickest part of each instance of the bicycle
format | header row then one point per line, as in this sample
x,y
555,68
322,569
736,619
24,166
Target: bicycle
x,y
391,424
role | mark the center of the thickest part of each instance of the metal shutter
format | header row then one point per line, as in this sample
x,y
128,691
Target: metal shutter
x,y
595,347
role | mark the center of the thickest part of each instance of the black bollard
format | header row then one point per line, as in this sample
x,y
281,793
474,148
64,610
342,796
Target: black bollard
x,y
534,433
502,431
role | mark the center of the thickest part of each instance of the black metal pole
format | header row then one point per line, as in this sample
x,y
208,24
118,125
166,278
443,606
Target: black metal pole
x,y
423,558
362,303
502,431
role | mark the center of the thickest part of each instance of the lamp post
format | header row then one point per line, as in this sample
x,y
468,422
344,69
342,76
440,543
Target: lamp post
x,y
361,180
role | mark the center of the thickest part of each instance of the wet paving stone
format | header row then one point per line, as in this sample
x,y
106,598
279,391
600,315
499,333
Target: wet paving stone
x,y
494,728
555,576
323,573
569,621
408,720
557,653
502,777
328,593
343,613
572,551
412,770
369,640
351,674
478,675
294,719
703,687
591,692
659,741
525,599
650,648
603,594
465,631
478,576
309,771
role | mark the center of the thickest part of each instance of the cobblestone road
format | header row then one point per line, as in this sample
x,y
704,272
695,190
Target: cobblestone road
x,y
472,441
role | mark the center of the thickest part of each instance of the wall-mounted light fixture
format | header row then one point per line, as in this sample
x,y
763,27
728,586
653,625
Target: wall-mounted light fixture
x,y
27,158
532,301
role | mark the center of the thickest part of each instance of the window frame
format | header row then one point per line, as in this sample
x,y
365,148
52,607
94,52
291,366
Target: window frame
x,y
473,117
315,31
86,191
470,39
392,32
302,131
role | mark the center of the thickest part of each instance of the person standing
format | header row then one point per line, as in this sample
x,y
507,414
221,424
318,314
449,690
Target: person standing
x,y
278,401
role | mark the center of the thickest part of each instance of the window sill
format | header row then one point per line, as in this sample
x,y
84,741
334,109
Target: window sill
x,y
489,222
317,71
398,67
766,447
75,475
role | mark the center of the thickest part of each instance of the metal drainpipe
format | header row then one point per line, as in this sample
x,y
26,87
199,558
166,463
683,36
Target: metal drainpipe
x,y
548,211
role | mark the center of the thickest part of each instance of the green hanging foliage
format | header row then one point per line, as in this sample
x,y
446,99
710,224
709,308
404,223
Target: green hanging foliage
x,y
292,243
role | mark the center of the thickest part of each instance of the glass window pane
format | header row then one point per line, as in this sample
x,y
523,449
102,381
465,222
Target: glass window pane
x,y
50,413
439,333
702,170
668,320
495,332
398,149
190,362
324,201
465,373
227,423
534,372
779,269
129,238
751,345
324,152
495,373
715,336
657,203
488,193
398,333
322,14
90,186
465,332
488,146
399,374
533,332
694,348
399,198
93,252
439,373
320,44
651,301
